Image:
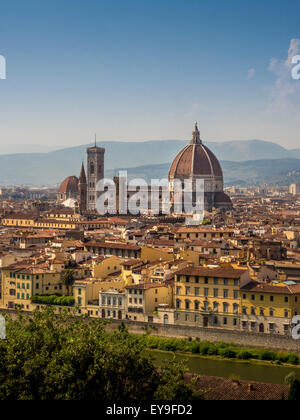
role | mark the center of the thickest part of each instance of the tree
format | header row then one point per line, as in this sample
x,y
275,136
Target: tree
x,y
50,357
294,393
68,278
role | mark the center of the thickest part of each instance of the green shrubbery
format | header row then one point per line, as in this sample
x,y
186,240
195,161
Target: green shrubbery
x,y
53,300
227,351
49,356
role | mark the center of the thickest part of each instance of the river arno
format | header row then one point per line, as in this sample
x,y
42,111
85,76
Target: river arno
x,y
225,369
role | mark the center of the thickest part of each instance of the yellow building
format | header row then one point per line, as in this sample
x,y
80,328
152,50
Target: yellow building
x,y
269,307
209,297
143,300
103,267
20,282
196,233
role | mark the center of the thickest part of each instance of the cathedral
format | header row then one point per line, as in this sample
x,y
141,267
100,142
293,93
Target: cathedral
x,y
197,162
80,193
194,162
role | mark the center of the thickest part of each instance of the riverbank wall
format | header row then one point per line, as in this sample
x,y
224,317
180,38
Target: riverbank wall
x,y
240,338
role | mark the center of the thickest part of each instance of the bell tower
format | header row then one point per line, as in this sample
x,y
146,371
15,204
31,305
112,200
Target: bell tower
x,y
95,172
82,191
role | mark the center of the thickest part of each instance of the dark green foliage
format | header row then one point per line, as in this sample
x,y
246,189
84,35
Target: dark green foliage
x,y
227,351
244,355
68,278
49,357
294,393
292,359
268,355
53,300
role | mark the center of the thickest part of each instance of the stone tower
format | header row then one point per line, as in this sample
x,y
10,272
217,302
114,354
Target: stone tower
x,y
95,172
82,191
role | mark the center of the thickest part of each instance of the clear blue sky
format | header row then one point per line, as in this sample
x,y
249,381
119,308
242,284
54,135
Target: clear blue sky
x,y
147,69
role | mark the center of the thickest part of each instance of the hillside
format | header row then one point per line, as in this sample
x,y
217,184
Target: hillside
x,y
273,172
53,167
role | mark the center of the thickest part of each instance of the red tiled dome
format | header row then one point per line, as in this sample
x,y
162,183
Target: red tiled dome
x,y
69,185
221,197
195,159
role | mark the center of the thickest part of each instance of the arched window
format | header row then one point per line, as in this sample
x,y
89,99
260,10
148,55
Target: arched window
x,y
187,304
225,307
216,306
196,305
235,308
92,168
178,304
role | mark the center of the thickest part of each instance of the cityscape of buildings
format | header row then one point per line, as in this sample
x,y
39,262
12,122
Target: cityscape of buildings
x,y
239,270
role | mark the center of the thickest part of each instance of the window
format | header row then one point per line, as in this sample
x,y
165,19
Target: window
x,y
225,321
271,327
178,304
225,282
196,305
79,301
286,313
252,297
187,304
178,290
216,307
244,310
261,312
271,298
244,296
236,282
235,308
79,291
225,294
235,322
286,299
253,311
206,280
206,291
187,291
197,291
225,307
261,298
216,293
271,312
216,281
235,294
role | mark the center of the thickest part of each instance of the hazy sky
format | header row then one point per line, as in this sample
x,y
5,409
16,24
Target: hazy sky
x,y
147,69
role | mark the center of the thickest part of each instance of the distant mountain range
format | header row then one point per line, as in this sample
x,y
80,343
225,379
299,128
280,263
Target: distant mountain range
x,y
249,161
255,172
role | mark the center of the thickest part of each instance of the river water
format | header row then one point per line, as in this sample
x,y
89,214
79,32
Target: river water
x,y
226,369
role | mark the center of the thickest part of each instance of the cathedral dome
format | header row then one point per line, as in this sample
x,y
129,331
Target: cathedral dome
x,y
69,186
195,160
